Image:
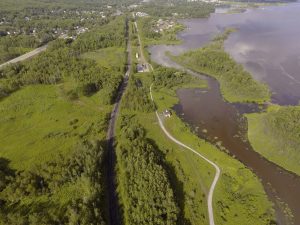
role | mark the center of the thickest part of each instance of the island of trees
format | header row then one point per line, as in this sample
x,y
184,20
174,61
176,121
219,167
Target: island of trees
x,y
237,85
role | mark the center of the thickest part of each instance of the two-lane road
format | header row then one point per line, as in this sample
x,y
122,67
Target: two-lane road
x,y
113,204
25,56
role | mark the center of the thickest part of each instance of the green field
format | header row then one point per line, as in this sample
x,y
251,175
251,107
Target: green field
x,y
109,58
237,85
276,135
40,122
43,136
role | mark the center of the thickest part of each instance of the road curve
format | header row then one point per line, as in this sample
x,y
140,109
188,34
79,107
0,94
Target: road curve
x,y
217,174
25,56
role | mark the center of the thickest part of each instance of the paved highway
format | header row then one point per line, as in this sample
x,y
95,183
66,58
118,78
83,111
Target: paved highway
x,y
114,216
25,56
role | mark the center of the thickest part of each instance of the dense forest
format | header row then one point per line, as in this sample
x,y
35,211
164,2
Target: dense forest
x,y
65,190
171,78
145,190
136,97
237,85
276,135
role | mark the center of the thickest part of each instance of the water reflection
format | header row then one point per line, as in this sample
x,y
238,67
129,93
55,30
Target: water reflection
x,y
266,43
268,46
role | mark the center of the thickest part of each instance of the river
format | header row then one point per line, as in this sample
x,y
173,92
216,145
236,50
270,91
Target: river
x,y
267,44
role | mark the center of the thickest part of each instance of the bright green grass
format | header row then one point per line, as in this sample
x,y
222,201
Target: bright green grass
x,y
110,58
276,141
239,197
38,122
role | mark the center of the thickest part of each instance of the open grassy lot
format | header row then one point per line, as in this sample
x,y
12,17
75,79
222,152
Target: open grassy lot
x,y
39,122
276,135
110,58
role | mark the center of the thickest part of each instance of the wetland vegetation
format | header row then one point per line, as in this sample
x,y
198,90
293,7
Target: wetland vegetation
x,y
275,134
237,85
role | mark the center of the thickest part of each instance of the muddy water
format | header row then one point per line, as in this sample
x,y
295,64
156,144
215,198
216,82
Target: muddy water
x,y
205,110
222,123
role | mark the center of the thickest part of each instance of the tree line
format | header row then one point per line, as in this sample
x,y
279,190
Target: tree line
x,y
63,60
145,190
136,97
34,196
179,9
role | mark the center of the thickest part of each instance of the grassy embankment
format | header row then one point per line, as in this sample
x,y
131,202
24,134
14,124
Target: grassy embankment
x,y
275,134
237,85
54,112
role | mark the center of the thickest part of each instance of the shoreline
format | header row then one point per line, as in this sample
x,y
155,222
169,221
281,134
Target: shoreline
x,y
239,160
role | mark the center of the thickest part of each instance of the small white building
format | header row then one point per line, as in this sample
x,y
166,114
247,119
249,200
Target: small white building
x,y
167,113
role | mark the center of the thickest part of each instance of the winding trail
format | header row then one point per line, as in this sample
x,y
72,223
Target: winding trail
x,y
218,171
217,174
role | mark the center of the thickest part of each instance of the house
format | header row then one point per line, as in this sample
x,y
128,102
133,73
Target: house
x,y
140,68
141,14
167,113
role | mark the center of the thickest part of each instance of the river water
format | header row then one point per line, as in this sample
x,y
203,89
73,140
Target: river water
x,y
267,44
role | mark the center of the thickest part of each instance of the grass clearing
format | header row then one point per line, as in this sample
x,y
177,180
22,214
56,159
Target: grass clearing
x,y
275,135
110,58
39,122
